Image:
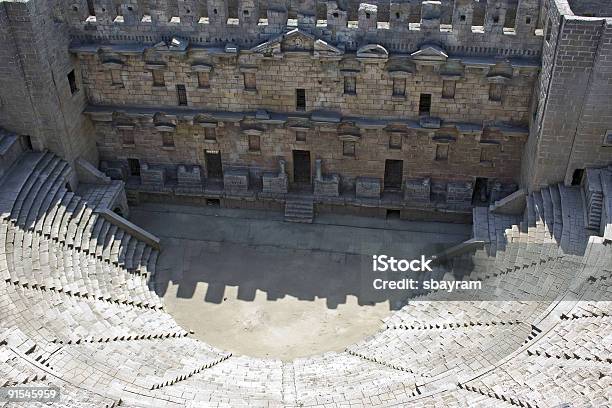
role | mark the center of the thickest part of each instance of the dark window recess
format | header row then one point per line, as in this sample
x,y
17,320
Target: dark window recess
x,y
399,87
158,78
203,80
395,141
300,99
528,20
213,164
27,142
548,30
350,85
348,148
134,166
300,136
394,170
210,134
393,214
72,82
442,152
68,188
577,177
167,139
496,92
128,138
425,104
448,89
250,81
254,143
182,95
213,202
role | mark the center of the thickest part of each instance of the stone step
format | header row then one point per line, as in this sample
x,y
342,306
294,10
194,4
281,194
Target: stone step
x,y
299,210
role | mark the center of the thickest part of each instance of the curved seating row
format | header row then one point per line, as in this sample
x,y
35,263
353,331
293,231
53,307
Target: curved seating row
x,y
75,295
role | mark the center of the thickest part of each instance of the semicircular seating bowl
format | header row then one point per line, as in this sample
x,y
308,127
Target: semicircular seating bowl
x,y
76,312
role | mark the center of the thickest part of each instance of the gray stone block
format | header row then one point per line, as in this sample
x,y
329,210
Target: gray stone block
x,y
236,181
459,192
367,187
327,186
152,177
417,190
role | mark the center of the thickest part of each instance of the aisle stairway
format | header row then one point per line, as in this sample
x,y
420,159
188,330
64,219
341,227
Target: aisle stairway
x,y
299,209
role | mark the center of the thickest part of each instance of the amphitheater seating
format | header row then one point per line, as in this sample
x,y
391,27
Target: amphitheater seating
x,y
76,312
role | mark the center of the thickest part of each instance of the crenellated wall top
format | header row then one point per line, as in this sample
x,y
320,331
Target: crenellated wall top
x,y
507,27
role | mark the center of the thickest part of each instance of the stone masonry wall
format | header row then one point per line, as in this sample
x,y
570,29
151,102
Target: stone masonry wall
x,y
574,113
277,81
35,95
418,151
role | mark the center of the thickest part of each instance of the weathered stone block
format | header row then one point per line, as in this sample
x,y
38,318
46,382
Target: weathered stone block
x,y
189,176
459,192
275,183
327,186
152,177
418,190
236,181
367,187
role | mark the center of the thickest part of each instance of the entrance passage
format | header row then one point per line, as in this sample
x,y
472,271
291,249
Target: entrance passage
x,y
393,174
213,164
301,166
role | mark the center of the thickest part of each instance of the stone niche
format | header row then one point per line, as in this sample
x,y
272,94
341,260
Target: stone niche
x,y
367,187
276,183
328,185
236,181
189,177
418,190
459,192
152,176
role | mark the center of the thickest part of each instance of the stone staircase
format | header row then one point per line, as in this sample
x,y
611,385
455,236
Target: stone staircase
x,y
299,209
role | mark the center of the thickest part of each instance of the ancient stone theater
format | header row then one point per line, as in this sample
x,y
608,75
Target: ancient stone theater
x,y
146,144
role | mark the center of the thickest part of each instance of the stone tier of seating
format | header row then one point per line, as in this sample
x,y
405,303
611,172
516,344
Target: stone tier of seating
x,y
76,312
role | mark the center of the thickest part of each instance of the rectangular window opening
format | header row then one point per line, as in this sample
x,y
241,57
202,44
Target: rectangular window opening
x,y
167,139
425,104
300,136
203,80
254,143
348,148
158,78
182,95
250,81
210,134
395,141
448,89
350,86
399,87
442,152
496,92
300,99
116,77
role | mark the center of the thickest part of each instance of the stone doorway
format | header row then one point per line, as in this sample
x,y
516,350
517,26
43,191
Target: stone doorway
x,y
301,166
213,164
481,192
394,170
